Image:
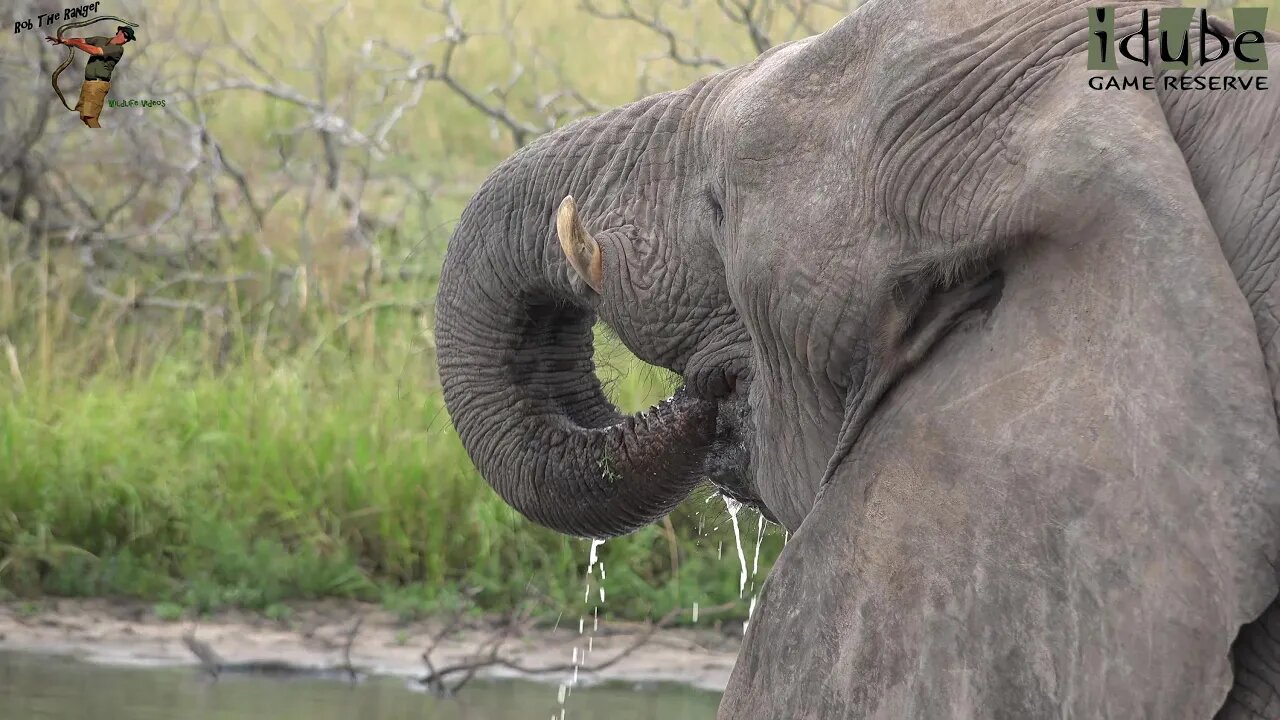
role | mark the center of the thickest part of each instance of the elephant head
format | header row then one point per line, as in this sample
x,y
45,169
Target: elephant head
x,y
958,321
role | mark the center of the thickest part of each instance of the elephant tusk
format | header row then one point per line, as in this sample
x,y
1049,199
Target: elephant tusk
x,y
66,62
582,250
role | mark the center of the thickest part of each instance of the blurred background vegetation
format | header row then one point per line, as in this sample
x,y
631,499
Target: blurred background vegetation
x,y
216,371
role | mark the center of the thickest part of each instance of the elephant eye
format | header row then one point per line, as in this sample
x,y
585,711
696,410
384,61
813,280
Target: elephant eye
x,y
717,210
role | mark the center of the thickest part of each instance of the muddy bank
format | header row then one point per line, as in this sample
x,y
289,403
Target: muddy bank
x,y
316,636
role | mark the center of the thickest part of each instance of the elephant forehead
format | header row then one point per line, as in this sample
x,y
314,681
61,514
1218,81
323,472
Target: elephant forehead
x,y
916,105
787,114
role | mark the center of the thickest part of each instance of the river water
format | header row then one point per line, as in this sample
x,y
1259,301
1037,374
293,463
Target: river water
x,y
36,687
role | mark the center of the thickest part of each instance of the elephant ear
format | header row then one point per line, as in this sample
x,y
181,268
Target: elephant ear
x,y
1069,509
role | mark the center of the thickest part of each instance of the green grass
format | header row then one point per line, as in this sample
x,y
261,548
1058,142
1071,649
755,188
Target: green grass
x,y
249,489
326,469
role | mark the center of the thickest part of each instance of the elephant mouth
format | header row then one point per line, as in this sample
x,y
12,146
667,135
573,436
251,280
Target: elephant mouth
x,y
728,464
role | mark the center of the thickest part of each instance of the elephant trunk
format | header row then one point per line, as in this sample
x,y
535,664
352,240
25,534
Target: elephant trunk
x,y
514,353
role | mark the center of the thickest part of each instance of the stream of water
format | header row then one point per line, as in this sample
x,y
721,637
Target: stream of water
x,y
37,687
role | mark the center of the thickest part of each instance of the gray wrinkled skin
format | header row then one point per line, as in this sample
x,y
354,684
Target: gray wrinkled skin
x,y
998,349
1232,148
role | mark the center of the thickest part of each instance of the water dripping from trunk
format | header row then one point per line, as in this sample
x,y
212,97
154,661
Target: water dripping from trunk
x,y
734,507
579,656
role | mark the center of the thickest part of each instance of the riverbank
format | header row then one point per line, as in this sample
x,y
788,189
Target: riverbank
x,y
319,637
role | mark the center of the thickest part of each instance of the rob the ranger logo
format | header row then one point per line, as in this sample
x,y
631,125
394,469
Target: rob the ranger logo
x,y
1174,45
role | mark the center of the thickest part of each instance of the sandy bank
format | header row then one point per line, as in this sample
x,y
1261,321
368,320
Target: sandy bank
x,y
315,636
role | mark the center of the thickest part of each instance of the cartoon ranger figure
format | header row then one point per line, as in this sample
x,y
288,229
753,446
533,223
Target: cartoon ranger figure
x,y
104,53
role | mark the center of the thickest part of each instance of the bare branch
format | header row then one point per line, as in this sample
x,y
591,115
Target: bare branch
x,y
754,15
436,680
675,44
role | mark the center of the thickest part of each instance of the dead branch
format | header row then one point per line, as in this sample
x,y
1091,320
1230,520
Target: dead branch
x,y
346,666
681,50
145,301
437,679
212,663
519,105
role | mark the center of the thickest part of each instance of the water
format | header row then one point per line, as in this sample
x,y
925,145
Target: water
x,y
34,687
733,507
566,688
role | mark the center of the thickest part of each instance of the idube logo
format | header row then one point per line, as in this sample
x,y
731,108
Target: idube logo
x,y
1176,51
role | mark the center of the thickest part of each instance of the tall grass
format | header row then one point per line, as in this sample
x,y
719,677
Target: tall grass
x,y
286,447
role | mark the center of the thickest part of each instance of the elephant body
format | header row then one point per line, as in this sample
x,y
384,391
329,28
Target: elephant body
x,y
1136,531
998,349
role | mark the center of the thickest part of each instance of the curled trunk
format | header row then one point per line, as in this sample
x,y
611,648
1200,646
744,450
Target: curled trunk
x,y
514,352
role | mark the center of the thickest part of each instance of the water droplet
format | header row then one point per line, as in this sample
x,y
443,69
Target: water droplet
x,y
755,564
695,612
733,507
595,546
579,656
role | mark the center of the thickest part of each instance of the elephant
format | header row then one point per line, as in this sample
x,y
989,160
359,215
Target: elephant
x,y
997,349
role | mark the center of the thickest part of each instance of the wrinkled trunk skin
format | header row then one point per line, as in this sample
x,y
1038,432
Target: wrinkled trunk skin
x,y
1232,147
514,347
